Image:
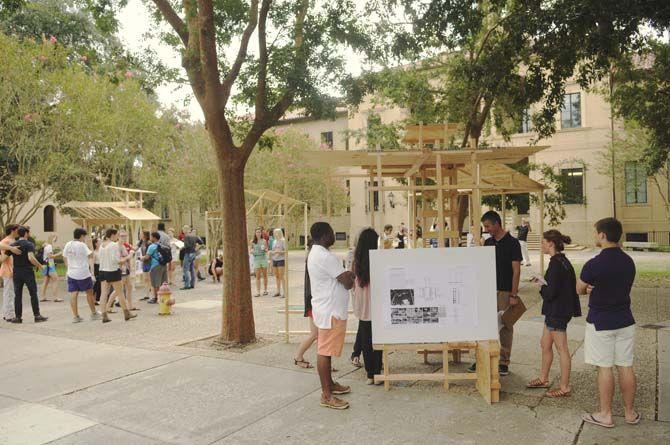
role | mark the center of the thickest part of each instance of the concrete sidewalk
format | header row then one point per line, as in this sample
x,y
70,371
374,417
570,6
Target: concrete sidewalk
x,y
146,382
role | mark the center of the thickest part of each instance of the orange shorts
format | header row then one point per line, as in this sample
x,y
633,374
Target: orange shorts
x,y
330,342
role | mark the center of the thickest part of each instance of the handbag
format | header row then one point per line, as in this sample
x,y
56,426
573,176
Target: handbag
x,y
513,313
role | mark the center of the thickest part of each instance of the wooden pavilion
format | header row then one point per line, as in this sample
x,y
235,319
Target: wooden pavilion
x,y
434,179
127,211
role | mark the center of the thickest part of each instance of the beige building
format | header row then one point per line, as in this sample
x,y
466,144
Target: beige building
x,y
575,151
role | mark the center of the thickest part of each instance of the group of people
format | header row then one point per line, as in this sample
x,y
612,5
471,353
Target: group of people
x,y
102,268
607,279
268,248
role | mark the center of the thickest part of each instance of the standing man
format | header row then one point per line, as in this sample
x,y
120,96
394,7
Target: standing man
x,y
24,275
330,284
508,272
609,336
77,255
191,244
522,236
7,272
158,271
165,238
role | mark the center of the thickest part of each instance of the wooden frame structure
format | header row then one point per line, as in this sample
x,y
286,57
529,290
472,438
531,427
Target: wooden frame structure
x,y
273,206
441,176
127,211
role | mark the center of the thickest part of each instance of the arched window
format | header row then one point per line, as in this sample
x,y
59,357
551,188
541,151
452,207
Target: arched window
x,y
49,215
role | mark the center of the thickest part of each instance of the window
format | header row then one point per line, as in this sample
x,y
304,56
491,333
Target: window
x,y
636,183
573,182
526,122
375,195
49,213
639,237
327,140
571,112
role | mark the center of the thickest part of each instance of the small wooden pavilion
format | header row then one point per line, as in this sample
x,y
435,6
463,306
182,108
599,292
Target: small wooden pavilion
x,y
127,211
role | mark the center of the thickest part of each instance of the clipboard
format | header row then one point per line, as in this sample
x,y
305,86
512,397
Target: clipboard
x,y
513,313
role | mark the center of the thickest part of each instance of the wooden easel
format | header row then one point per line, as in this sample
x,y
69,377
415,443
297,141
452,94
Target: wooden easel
x,y
487,353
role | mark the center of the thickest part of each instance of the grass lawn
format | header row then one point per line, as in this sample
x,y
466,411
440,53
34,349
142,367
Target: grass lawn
x,y
655,274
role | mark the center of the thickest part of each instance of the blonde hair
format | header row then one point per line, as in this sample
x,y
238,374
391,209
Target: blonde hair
x,y
52,238
278,233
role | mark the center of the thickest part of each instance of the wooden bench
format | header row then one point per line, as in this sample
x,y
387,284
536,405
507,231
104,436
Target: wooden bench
x,y
641,245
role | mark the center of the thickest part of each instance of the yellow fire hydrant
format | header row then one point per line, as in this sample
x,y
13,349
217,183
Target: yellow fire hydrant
x,y
165,300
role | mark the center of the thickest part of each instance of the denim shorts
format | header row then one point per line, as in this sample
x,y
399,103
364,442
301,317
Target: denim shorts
x,y
556,324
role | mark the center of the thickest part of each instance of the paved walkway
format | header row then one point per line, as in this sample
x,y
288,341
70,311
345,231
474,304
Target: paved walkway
x,y
138,383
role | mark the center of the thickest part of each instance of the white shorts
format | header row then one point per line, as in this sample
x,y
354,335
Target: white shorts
x,y
609,348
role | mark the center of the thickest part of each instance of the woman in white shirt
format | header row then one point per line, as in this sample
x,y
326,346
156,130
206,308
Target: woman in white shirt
x,y
279,259
110,273
49,272
174,250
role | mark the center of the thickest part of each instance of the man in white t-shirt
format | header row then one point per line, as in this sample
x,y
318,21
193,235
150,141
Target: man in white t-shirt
x,y
330,284
79,279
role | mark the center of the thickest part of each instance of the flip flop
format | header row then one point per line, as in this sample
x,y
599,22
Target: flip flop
x,y
638,417
356,361
537,383
304,364
58,300
557,392
588,418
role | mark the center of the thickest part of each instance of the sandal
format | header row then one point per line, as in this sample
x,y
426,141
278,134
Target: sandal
x,y
265,293
44,299
635,421
257,295
304,364
588,418
537,383
356,361
558,392
58,300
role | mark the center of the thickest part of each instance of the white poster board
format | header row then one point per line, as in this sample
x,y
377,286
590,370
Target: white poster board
x,y
433,295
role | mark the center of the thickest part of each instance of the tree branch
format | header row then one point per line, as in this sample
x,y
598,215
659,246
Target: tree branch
x,y
171,16
242,51
261,90
208,57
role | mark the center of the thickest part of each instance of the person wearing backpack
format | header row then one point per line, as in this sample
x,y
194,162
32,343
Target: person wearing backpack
x,y
160,257
45,256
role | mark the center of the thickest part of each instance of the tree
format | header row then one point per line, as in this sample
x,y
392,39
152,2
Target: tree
x,y
63,131
295,59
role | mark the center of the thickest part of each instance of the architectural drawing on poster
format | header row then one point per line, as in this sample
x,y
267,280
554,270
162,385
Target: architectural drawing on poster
x,y
430,296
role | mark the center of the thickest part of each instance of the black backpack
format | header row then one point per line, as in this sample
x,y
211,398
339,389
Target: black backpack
x,y
165,255
40,255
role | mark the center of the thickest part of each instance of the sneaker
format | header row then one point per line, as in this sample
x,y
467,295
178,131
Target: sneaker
x,y
338,389
144,298
77,319
40,319
503,369
16,320
184,288
96,316
528,264
472,368
152,301
334,403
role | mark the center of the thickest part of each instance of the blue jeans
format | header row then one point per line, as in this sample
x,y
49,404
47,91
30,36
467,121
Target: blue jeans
x,y
188,267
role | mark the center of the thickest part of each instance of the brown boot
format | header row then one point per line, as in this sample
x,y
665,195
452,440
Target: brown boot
x,y
127,315
105,318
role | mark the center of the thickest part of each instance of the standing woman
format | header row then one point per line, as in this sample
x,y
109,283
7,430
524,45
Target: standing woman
x,y
126,250
96,269
142,247
259,249
49,272
174,251
299,359
279,259
110,273
367,241
560,303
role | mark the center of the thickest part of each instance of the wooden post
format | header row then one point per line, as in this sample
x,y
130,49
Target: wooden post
x,y
208,244
306,228
541,230
502,206
411,210
440,200
382,200
286,293
445,365
371,206
385,358
476,191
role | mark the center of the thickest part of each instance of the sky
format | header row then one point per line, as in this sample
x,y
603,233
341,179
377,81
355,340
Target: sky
x,y
135,20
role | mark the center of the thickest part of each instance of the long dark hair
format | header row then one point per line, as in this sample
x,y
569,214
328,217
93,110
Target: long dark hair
x,y
556,237
255,240
367,241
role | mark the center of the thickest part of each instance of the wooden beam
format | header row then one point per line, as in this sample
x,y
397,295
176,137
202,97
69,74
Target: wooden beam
x,y
440,200
417,165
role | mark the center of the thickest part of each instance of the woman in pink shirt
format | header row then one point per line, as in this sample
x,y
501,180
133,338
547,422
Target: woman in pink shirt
x,y
367,240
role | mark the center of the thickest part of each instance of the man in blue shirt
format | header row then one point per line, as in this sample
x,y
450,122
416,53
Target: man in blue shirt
x,y
610,327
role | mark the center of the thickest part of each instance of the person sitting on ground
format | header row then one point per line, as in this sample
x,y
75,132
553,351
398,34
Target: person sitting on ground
x,y
560,303
609,337
216,268
330,284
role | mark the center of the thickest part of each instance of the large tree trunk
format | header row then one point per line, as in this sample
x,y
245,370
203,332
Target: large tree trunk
x,y
238,314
